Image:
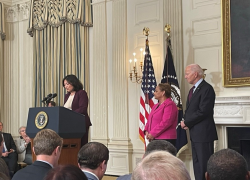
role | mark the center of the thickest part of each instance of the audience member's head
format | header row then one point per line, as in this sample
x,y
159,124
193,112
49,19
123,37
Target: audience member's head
x,y
22,131
160,145
47,146
51,104
94,157
160,165
65,172
227,164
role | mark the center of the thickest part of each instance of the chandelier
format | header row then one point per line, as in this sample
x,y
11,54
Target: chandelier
x,y
135,68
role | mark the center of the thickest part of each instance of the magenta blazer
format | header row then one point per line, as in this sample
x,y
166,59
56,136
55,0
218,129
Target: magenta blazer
x,y
162,121
80,104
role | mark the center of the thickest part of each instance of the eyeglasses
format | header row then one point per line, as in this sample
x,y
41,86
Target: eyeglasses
x,y
23,131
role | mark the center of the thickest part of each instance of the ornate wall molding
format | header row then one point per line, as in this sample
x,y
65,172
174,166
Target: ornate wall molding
x,y
228,111
230,100
232,110
11,13
24,10
17,12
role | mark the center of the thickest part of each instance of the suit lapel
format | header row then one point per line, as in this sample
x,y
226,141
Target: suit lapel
x,y
195,92
6,140
160,106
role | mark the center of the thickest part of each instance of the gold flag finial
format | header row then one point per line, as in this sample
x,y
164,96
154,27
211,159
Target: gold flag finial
x,y
167,28
146,31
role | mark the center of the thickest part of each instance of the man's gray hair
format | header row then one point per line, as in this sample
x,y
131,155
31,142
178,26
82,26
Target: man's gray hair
x,y
160,165
196,68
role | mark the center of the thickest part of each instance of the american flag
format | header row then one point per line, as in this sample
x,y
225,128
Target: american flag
x,y
147,99
169,76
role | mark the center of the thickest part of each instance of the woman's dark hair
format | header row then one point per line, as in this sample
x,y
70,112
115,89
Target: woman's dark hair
x,y
65,172
74,81
165,87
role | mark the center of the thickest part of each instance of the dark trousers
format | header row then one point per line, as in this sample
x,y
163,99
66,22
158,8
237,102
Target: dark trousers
x,y
11,161
85,137
201,152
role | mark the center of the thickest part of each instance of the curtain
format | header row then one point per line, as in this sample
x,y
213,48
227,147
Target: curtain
x,y
60,45
2,37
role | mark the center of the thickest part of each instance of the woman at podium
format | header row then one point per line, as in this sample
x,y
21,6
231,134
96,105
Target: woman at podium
x,y
76,100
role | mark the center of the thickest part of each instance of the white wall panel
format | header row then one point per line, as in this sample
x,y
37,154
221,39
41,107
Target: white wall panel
x,y
200,3
147,11
206,26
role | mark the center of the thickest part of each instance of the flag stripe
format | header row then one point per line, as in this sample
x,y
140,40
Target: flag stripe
x,y
147,92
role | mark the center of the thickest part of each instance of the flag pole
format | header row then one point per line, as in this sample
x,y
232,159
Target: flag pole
x,y
169,76
167,29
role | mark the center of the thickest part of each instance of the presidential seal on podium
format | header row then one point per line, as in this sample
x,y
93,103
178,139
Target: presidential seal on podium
x,y
41,120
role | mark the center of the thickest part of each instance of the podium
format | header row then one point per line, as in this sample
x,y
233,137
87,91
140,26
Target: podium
x,y
68,124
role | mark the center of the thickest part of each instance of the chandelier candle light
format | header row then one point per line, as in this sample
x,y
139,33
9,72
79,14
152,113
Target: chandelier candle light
x,y
134,75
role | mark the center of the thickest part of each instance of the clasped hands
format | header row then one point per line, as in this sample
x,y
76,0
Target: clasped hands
x,y
149,137
183,126
5,154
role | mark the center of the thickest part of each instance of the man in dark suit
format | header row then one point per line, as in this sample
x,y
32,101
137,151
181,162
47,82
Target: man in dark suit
x,y
93,159
47,147
3,167
199,119
9,154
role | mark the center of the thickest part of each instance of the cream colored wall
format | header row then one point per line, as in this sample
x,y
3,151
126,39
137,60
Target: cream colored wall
x,y
18,68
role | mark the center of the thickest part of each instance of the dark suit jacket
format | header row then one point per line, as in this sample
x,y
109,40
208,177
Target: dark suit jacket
x,y
36,171
80,104
9,142
90,176
199,114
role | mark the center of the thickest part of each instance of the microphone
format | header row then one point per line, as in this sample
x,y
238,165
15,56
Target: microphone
x,y
46,98
53,95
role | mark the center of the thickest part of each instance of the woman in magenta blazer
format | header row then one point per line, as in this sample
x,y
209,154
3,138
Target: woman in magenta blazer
x,y
77,100
162,119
